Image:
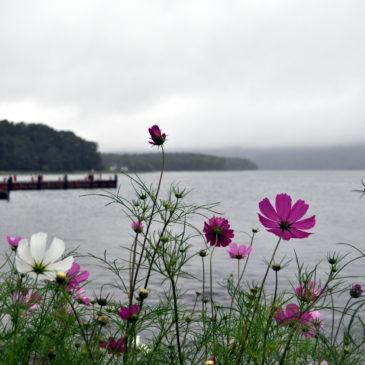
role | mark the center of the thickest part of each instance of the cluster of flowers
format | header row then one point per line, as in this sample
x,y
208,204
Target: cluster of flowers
x,y
285,220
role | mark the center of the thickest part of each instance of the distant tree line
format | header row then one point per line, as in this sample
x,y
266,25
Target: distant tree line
x,y
37,147
174,162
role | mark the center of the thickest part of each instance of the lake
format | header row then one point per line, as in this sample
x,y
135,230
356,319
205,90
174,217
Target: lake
x,y
87,223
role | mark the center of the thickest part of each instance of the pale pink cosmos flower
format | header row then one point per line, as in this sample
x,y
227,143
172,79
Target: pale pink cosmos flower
x,y
309,292
13,241
129,313
238,252
81,296
30,300
285,220
308,322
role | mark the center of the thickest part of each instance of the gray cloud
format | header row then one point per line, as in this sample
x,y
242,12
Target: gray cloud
x,y
213,73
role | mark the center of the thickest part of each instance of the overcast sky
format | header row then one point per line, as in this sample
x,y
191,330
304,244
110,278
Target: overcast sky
x,y
248,73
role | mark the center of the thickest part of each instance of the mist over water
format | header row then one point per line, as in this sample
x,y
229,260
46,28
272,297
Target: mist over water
x,y
86,222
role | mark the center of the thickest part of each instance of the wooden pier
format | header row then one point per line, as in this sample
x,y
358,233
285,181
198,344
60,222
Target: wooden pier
x,y
90,182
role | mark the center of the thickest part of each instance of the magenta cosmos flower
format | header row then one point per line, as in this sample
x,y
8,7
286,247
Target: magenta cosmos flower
x,y
114,346
238,252
13,241
129,313
157,137
309,292
218,232
75,277
285,220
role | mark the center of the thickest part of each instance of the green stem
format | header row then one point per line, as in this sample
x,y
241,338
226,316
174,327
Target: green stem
x,y
269,320
151,218
83,334
203,307
342,317
257,303
173,286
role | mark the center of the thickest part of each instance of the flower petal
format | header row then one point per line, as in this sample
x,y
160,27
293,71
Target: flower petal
x,y
285,235
283,205
23,252
267,222
298,210
75,268
268,210
22,266
38,243
297,233
307,223
55,251
62,265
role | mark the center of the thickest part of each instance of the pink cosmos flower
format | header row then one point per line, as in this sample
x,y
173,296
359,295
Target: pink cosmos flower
x,y
218,232
27,299
238,252
13,241
309,292
75,277
81,296
285,220
112,345
137,226
157,138
307,322
129,313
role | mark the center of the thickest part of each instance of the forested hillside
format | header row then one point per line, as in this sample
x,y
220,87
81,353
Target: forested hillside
x,y
174,162
37,147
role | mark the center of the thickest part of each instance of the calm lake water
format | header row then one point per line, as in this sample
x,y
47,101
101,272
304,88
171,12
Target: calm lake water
x,y
86,221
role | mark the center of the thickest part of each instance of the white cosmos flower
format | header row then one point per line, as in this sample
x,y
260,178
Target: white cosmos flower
x,y
39,262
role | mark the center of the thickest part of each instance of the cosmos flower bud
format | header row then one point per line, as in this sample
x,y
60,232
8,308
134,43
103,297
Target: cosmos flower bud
x,y
137,226
102,320
102,301
13,241
356,291
61,277
188,319
157,137
164,239
203,253
143,293
276,267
